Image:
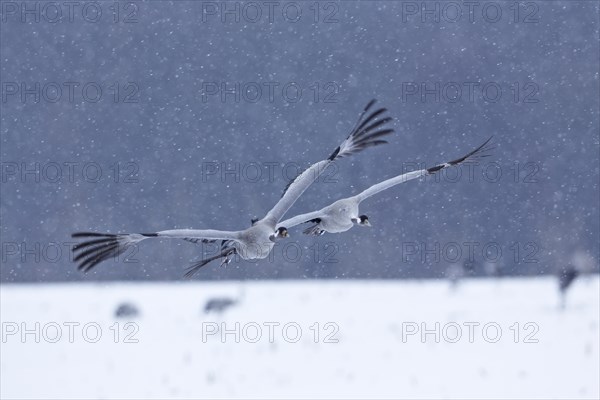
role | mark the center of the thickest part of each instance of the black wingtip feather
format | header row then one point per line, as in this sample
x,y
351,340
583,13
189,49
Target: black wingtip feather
x,y
362,133
96,258
331,157
362,136
377,124
375,135
361,128
92,234
113,251
479,152
99,247
94,250
89,243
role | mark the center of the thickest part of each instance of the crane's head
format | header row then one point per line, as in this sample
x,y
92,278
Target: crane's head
x,y
281,232
362,220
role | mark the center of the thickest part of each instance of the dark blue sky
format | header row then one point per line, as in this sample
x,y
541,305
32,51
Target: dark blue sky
x,y
157,115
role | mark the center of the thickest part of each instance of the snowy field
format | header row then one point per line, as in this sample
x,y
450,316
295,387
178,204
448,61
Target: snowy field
x,y
502,338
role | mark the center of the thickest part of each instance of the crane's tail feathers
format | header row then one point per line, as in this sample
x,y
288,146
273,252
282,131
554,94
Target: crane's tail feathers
x,y
101,246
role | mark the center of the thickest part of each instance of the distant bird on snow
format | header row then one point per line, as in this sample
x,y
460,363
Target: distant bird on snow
x,y
566,277
126,310
219,304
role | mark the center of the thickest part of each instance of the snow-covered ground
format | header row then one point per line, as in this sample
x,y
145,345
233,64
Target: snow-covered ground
x,y
302,339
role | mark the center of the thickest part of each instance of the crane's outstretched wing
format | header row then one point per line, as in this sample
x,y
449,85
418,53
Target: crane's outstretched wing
x,y
300,219
479,152
366,133
99,247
